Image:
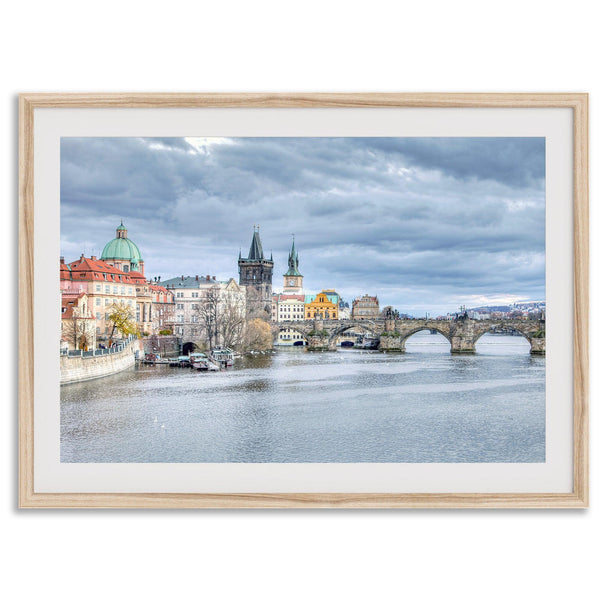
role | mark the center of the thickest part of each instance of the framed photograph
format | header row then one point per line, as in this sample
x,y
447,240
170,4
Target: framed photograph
x,y
303,300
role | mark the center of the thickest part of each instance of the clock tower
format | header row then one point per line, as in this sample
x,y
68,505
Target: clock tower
x,y
292,279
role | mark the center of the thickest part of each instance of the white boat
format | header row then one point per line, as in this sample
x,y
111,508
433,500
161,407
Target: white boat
x,y
201,362
223,356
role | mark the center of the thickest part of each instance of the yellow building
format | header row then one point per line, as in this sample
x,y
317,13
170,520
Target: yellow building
x,y
323,306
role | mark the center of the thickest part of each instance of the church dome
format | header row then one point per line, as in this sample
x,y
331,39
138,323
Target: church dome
x,y
121,248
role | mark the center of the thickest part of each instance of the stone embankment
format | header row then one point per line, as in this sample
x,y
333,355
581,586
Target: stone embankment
x,y
167,346
88,365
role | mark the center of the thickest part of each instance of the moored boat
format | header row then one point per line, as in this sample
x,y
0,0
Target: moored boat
x,y
201,362
182,361
223,356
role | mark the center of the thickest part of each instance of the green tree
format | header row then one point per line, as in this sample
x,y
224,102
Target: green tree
x,y
122,318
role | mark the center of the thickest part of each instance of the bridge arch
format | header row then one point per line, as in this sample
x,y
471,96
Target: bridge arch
x,y
412,332
366,325
526,332
284,328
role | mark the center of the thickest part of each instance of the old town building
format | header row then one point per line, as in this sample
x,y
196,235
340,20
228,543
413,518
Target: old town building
x,y
365,307
78,325
191,313
322,306
122,253
162,308
289,305
256,277
104,285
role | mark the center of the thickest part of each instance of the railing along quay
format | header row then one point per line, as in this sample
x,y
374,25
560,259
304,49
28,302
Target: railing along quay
x,y
99,351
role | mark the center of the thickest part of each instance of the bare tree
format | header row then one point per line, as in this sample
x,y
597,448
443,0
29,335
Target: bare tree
x,y
208,312
74,329
231,321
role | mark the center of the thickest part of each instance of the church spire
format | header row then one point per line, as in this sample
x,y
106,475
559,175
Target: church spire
x,y
293,260
256,251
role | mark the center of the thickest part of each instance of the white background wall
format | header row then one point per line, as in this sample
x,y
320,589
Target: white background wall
x,y
281,46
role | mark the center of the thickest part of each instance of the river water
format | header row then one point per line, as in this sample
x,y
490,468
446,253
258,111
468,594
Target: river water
x,y
296,406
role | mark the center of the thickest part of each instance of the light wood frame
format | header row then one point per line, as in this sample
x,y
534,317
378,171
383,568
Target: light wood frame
x,y
578,498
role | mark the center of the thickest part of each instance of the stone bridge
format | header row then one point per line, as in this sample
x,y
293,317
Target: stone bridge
x,y
462,333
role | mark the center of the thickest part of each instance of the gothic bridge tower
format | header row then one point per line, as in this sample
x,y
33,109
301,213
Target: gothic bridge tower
x,y
256,275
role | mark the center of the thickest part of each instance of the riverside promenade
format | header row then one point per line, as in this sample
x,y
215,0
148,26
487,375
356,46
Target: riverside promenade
x,y
79,365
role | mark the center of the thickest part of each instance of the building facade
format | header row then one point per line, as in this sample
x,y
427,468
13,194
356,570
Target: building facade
x,y
162,308
104,285
256,277
365,307
322,306
205,310
289,305
77,323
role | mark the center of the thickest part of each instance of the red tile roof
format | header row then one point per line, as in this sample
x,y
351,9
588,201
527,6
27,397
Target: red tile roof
x,y
86,269
290,297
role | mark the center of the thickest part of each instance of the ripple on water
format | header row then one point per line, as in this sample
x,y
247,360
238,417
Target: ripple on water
x,y
296,406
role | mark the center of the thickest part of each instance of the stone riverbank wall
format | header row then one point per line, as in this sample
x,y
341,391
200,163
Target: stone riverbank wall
x,y
167,346
83,366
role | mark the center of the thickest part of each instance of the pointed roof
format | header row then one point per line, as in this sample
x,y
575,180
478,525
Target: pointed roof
x,y
256,251
293,262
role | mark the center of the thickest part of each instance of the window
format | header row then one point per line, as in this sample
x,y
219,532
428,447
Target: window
x,y
194,318
180,318
126,268
107,289
98,316
180,307
122,291
98,288
194,294
98,301
106,301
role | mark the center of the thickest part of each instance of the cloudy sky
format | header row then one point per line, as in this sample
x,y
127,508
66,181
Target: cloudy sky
x,y
427,224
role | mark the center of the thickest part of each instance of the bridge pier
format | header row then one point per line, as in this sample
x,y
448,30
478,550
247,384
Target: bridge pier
x,y
462,345
388,343
320,343
538,346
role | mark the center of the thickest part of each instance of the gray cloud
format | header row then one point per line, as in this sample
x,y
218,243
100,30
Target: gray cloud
x,y
425,223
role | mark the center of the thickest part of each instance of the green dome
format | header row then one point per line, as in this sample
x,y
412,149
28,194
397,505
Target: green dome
x,y
121,249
